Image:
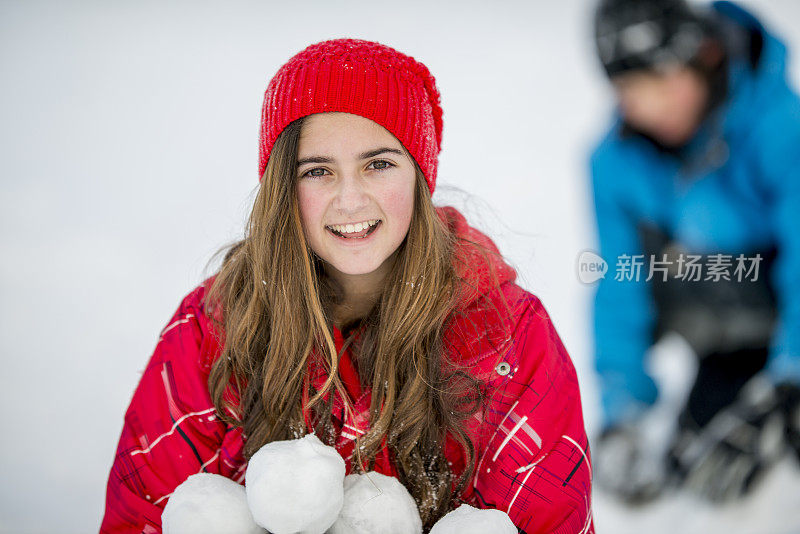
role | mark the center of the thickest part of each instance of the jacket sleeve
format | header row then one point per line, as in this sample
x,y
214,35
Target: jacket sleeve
x,y
170,429
623,308
536,462
778,155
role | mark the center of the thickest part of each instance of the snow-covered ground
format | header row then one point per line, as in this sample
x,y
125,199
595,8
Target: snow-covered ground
x,y
128,155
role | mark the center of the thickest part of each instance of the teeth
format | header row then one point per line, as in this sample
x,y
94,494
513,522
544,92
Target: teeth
x,y
352,228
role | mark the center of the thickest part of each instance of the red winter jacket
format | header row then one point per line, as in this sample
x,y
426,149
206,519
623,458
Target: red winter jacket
x,y
532,452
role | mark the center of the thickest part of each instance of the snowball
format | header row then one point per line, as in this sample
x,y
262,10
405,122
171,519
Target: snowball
x,y
468,520
208,504
377,503
295,486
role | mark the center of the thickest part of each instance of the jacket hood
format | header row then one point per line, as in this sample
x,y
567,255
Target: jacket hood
x,y
484,319
478,262
752,89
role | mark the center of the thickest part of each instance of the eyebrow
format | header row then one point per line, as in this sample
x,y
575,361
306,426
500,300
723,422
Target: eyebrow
x,y
364,155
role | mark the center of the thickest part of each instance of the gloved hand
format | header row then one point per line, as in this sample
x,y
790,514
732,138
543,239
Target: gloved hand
x,y
726,458
626,465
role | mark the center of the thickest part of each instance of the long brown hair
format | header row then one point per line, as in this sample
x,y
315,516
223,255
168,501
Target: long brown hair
x,y
276,302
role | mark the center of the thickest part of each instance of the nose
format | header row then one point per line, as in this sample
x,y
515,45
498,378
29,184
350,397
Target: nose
x,y
351,196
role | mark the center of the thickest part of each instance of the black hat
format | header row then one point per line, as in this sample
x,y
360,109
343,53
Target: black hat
x,y
643,34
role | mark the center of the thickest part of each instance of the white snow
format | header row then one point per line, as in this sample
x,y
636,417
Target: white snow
x,y
295,486
773,509
206,503
469,520
377,503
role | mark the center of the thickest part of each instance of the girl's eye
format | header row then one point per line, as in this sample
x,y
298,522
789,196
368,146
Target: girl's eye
x,y
317,172
380,165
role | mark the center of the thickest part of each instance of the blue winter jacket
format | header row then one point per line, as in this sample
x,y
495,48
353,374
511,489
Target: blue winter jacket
x,y
748,200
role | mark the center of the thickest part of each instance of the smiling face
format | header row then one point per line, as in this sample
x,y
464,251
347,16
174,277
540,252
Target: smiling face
x,y
355,190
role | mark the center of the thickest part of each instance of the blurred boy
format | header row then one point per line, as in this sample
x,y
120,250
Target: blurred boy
x,y
697,196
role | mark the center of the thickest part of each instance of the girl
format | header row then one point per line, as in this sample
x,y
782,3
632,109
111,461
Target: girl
x,y
356,309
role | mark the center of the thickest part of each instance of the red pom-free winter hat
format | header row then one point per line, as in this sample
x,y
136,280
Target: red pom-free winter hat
x,y
363,78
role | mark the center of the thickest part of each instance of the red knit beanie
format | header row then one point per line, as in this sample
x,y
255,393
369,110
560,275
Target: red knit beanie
x,y
363,78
